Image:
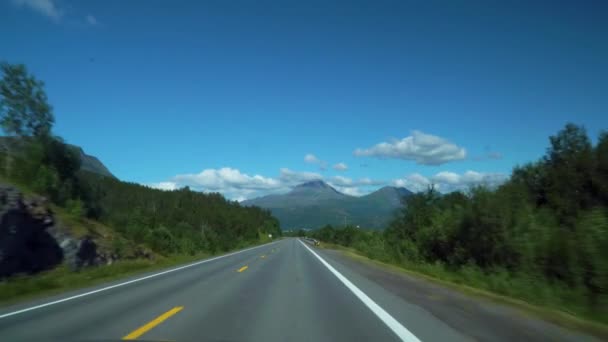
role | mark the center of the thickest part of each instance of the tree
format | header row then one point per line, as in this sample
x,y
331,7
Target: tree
x,y
601,175
570,165
24,110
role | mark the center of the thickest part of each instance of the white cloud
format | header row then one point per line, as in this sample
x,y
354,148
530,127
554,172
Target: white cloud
x,y
91,20
446,177
352,191
446,181
44,7
423,148
340,181
340,167
230,182
164,186
217,179
236,185
311,159
291,178
414,182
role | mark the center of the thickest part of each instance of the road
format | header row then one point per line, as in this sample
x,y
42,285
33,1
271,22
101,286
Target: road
x,y
283,291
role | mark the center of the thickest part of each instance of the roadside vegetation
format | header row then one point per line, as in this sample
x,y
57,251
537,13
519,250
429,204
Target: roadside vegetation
x,y
172,224
541,237
62,278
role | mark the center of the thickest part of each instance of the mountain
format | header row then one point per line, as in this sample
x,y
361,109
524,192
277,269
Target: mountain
x,y
13,145
315,204
304,195
92,164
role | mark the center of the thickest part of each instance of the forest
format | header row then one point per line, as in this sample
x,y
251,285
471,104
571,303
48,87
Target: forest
x,y
169,222
541,236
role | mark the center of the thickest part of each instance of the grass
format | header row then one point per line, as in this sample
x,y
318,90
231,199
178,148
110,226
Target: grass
x,y
61,279
471,283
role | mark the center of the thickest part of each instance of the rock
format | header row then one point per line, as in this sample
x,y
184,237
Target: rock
x,y
87,253
67,243
25,245
39,209
31,241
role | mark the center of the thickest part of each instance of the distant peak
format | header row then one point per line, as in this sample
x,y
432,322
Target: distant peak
x,y
314,184
391,189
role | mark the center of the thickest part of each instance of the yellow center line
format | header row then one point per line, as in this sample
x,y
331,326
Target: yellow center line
x,y
242,269
158,320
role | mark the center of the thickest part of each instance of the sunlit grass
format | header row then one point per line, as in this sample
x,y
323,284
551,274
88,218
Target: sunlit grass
x,y
61,279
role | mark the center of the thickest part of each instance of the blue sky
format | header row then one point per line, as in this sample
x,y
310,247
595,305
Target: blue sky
x,y
232,96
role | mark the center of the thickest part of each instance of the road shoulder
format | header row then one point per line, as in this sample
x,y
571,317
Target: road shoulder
x,y
475,313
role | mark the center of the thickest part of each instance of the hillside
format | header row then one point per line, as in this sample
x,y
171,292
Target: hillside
x,y
15,145
92,164
315,204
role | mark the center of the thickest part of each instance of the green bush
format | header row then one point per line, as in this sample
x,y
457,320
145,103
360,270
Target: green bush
x,y
75,208
542,236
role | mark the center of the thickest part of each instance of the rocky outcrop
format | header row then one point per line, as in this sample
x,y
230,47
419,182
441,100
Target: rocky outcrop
x,y
30,240
25,245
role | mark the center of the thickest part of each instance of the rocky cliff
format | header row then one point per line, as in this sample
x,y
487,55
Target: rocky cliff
x,y
31,240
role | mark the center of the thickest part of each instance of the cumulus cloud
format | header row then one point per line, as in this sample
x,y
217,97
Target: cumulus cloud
x,y
447,181
226,178
340,167
414,182
44,7
424,149
446,177
352,191
289,178
345,182
312,159
237,185
91,20
354,187
164,186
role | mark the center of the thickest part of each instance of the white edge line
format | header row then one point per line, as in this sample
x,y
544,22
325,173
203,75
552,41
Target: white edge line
x,y
385,317
125,283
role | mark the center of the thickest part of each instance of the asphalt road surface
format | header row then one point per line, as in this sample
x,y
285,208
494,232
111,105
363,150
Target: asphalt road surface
x,y
284,291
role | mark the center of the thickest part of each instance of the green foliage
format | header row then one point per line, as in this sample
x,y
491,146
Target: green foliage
x,y
24,110
175,222
180,221
542,236
75,208
62,279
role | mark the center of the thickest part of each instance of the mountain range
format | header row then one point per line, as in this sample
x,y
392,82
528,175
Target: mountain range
x,y
309,205
314,204
15,145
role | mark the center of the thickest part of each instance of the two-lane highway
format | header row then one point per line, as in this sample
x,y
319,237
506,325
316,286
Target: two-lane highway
x,y
284,291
